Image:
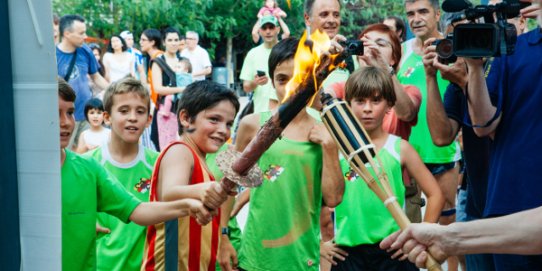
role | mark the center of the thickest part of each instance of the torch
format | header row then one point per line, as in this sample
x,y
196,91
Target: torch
x,y
357,148
241,168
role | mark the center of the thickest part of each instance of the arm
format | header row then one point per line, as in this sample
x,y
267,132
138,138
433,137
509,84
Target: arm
x,y
480,107
285,28
81,145
255,32
157,82
332,179
99,80
251,85
415,167
175,173
150,213
248,127
205,71
442,129
492,235
226,255
106,64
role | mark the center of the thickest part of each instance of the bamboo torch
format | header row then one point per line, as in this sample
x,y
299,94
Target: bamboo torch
x,y
357,148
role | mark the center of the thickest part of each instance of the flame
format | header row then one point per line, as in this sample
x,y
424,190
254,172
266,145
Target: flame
x,y
307,59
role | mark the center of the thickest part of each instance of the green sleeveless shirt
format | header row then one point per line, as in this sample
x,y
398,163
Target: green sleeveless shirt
x,y
362,218
413,73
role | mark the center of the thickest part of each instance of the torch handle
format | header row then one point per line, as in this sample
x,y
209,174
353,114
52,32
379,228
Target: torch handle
x,y
227,184
403,222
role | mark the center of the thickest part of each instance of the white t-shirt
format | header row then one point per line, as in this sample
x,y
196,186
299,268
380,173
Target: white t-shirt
x,y
95,139
199,58
118,69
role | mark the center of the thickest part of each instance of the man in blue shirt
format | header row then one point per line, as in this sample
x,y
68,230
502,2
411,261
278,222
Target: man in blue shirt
x,y
507,108
72,49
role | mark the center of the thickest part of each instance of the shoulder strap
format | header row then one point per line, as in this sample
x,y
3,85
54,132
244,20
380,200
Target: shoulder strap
x,y
165,67
70,68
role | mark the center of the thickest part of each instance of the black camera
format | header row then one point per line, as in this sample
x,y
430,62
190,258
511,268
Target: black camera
x,y
491,38
353,47
445,50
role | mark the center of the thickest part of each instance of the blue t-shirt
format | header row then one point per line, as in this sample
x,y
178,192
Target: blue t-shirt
x,y
85,64
476,152
515,184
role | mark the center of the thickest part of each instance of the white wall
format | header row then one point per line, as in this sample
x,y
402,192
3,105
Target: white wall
x,y
37,132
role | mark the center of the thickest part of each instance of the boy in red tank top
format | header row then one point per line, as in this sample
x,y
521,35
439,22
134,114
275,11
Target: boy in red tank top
x,y
205,115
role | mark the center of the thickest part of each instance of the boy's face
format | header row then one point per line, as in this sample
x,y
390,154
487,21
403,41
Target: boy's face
x,y
283,73
211,128
95,117
128,118
66,121
370,111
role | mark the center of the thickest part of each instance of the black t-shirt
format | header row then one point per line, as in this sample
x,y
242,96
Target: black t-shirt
x,y
476,151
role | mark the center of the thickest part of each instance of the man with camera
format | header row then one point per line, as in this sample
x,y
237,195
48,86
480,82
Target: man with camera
x,y
506,108
423,17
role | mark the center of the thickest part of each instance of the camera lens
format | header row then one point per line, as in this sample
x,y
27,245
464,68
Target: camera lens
x,y
445,48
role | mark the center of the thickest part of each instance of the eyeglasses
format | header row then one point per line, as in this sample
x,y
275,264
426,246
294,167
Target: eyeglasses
x,y
191,38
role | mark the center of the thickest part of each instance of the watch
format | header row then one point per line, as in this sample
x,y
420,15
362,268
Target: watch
x,y
226,231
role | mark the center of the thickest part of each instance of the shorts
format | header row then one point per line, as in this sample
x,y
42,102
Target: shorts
x,y
437,169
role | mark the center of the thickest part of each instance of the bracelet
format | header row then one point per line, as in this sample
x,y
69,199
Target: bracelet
x,y
225,231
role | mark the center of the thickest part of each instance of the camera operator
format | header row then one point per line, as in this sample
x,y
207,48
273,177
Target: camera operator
x,y
423,17
506,107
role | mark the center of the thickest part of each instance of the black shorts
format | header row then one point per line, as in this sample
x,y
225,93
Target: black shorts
x,y
371,257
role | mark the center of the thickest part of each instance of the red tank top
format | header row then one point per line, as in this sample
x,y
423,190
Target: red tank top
x,y
181,244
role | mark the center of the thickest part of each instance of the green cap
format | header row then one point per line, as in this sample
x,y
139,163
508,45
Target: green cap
x,y
269,20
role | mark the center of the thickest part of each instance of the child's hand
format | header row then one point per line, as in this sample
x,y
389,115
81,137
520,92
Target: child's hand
x,y
320,135
197,210
330,251
213,195
100,229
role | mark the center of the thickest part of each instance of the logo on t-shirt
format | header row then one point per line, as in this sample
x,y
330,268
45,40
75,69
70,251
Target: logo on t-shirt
x,y
143,185
273,172
408,72
350,175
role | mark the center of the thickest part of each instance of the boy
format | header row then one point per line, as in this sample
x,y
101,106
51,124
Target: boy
x,y
205,115
127,108
300,170
362,219
87,189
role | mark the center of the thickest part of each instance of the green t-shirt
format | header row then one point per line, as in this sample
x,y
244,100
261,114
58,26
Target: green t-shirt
x,y
86,190
362,218
282,231
122,249
257,59
412,73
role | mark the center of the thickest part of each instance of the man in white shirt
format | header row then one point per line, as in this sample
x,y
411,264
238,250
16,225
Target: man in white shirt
x,y
199,58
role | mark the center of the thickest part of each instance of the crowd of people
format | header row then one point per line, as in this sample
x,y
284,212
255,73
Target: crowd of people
x,y
140,130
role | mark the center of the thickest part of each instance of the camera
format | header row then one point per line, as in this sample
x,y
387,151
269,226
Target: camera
x,y
445,50
353,47
491,38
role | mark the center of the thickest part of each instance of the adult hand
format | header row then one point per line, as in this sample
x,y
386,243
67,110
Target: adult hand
x,y
336,47
429,57
260,80
372,55
455,73
329,251
415,240
213,195
530,11
320,135
227,256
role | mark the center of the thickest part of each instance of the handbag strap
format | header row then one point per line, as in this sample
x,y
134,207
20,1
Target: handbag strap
x,y
165,68
70,68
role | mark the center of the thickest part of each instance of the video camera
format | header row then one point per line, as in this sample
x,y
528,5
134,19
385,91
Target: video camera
x,y
491,38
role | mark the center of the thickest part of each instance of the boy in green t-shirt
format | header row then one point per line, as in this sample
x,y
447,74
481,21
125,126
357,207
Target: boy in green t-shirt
x,y
88,189
362,220
127,111
300,169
